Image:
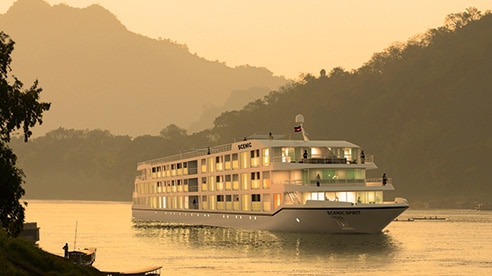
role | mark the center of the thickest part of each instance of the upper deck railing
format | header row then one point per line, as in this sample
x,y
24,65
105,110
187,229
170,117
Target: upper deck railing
x,y
189,154
342,182
369,159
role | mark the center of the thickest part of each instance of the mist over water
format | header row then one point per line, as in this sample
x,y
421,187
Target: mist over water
x,y
458,245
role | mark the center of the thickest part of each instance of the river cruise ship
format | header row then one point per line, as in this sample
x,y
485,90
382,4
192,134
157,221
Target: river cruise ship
x,y
268,183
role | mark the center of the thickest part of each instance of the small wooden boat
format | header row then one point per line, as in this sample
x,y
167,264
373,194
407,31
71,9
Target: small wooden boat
x,y
148,271
85,256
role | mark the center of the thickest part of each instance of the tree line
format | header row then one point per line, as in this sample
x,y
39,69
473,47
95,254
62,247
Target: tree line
x,y
421,107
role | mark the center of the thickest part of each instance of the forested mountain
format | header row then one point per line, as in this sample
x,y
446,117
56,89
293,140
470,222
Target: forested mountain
x,y
421,107
97,74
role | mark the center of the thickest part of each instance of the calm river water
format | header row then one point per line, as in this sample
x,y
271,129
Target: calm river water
x,y
459,245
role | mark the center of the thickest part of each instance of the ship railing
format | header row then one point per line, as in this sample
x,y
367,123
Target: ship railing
x,y
379,181
189,154
369,159
341,182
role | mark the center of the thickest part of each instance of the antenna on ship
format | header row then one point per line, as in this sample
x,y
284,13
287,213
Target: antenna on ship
x,y
300,127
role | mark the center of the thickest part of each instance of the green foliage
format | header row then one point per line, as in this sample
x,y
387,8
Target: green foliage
x,y
93,164
11,211
21,257
420,107
18,109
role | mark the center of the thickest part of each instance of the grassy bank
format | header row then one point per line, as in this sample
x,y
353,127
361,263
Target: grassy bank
x,y
20,257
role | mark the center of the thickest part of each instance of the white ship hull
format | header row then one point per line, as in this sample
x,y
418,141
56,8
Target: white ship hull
x,y
350,219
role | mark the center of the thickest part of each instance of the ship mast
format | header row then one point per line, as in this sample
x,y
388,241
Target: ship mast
x,y
300,122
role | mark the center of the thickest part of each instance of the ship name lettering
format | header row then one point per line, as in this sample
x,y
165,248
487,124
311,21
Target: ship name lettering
x,y
244,146
334,213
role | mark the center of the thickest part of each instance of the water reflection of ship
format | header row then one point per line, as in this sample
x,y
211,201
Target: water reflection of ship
x,y
279,243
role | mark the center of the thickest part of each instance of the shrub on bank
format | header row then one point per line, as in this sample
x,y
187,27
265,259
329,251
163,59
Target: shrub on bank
x,y
21,257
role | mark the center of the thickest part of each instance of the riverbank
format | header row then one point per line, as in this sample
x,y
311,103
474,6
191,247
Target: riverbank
x,y
21,257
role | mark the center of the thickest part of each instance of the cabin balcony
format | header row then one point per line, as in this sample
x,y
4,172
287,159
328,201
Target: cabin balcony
x,y
368,159
332,185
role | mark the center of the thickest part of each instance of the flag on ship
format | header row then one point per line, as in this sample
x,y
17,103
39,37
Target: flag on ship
x,y
297,129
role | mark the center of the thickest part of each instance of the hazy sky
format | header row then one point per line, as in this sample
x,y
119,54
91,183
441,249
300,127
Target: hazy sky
x,y
289,37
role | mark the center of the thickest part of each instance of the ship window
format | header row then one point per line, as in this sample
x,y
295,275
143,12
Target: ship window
x,y
266,156
211,183
244,160
267,202
220,198
204,203
228,197
211,164
255,158
255,180
227,161
288,155
235,181
255,175
204,165
235,162
266,180
256,202
219,160
244,181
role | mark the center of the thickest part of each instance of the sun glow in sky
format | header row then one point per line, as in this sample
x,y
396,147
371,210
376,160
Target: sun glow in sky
x,y
289,37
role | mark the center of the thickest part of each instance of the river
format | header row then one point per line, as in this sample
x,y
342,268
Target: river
x,y
459,243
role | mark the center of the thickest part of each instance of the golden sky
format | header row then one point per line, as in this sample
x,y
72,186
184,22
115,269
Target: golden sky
x,y
289,37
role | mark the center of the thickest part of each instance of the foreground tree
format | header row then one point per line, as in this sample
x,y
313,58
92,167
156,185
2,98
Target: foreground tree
x,y
18,110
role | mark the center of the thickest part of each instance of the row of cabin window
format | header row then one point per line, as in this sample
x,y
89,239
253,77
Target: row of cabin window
x,y
217,163
247,202
235,161
244,181
174,169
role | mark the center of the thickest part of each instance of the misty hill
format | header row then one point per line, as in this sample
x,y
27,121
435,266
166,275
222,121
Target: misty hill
x,y
421,107
97,74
